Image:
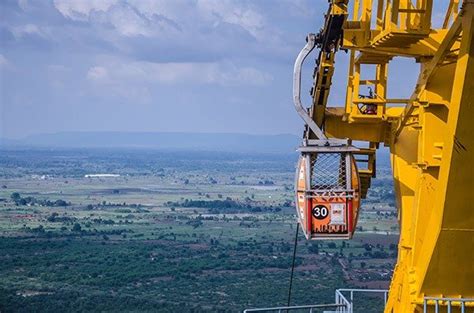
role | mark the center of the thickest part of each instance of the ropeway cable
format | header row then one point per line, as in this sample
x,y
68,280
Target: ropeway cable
x,y
293,263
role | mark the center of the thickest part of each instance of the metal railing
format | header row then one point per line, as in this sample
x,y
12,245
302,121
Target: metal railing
x,y
341,295
340,299
312,308
342,303
448,303
352,291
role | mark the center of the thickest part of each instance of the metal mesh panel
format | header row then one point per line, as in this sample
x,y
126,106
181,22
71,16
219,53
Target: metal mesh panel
x,y
328,171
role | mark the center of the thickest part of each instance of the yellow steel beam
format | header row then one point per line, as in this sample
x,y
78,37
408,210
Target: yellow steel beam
x,y
432,162
431,141
431,138
323,81
451,13
359,39
425,75
452,219
336,126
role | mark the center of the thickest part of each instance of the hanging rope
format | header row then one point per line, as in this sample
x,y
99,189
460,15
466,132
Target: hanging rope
x,y
293,264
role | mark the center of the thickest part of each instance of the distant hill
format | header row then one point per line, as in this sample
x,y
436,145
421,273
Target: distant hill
x,y
167,141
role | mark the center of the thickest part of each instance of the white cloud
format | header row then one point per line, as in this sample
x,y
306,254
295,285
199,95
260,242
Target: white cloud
x,y
127,18
176,10
97,74
58,68
224,74
3,60
303,8
147,17
246,75
28,29
128,23
23,4
233,13
4,63
80,10
135,81
109,83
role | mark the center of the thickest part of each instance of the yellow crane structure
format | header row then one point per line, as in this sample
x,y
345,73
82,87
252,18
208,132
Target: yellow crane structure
x,y
430,135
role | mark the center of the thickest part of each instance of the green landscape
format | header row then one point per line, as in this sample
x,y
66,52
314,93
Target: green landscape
x,y
174,231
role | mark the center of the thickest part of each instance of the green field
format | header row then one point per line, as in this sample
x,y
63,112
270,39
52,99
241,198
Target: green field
x,y
136,243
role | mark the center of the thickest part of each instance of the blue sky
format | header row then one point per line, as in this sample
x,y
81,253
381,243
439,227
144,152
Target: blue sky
x,y
139,65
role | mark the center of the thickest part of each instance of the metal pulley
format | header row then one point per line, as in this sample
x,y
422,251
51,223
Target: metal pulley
x,y
327,181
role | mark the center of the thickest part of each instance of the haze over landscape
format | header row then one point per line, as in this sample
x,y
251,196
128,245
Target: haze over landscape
x,y
284,143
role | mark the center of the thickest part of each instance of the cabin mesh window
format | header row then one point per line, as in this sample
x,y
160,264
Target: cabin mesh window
x,y
328,171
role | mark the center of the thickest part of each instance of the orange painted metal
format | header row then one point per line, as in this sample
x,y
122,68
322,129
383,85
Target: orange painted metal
x,y
326,216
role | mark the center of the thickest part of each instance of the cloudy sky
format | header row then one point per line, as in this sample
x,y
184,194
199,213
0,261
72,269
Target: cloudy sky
x,y
142,65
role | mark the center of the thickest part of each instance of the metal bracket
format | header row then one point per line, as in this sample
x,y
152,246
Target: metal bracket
x,y
310,44
327,145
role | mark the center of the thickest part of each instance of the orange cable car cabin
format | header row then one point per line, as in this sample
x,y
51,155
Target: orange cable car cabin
x,y
327,193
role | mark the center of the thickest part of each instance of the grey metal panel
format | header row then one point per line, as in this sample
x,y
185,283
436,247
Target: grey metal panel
x,y
348,169
328,149
330,142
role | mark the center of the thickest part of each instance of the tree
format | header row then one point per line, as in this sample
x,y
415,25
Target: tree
x,y
314,248
15,196
39,229
77,227
332,245
367,247
52,217
60,202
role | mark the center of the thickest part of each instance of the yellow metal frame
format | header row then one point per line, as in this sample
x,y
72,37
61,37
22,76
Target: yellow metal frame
x,y
430,135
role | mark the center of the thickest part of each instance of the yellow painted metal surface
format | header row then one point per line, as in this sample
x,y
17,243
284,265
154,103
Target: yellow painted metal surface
x,y
430,135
